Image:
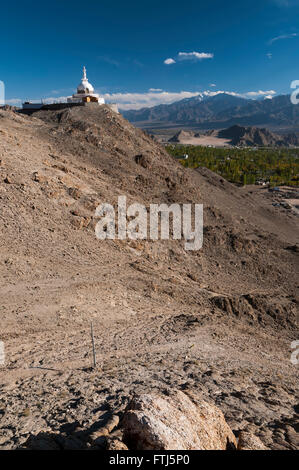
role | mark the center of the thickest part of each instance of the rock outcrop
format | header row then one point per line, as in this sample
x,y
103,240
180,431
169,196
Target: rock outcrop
x,y
181,136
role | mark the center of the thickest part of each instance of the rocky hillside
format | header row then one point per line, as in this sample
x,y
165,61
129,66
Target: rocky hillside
x,y
220,111
217,323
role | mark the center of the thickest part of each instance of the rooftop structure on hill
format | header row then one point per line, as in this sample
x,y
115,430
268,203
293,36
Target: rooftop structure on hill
x,y
85,94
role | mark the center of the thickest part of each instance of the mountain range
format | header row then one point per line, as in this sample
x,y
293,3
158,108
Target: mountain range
x,y
220,111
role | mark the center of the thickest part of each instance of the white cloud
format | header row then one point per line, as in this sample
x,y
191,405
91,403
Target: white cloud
x,y
283,36
212,85
155,97
169,61
256,94
155,89
191,56
194,55
57,99
209,93
48,100
149,99
14,102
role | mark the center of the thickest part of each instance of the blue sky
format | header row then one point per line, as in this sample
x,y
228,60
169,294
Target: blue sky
x,y
241,47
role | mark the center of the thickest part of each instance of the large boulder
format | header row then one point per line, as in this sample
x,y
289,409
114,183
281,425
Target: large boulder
x,y
175,422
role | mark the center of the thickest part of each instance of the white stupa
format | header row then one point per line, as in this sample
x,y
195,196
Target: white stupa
x,y
85,93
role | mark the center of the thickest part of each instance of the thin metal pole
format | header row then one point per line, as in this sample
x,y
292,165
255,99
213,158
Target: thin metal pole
x,y
93,347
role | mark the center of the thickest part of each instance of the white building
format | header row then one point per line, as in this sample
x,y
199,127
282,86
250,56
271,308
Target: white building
x,y
85,93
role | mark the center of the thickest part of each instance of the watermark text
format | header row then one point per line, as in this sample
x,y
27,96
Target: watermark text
x,y
159,221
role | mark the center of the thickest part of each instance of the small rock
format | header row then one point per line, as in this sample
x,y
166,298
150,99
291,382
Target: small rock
x,y
112,423
78,222
38,177
116,444
178,421
75,193
248,441
105,430
42,442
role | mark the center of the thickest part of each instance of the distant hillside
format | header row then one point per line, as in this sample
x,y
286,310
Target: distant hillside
x,y
222,110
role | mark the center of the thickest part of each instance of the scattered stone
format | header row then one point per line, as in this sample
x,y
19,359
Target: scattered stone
x,y
112,423
73,443
105,430
143,160
80,222
292,437
42,441
248,441
116,444
176,422
294,248
75,193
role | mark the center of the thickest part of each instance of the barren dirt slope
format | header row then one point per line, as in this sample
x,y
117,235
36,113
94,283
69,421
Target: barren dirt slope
x,y
220,320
